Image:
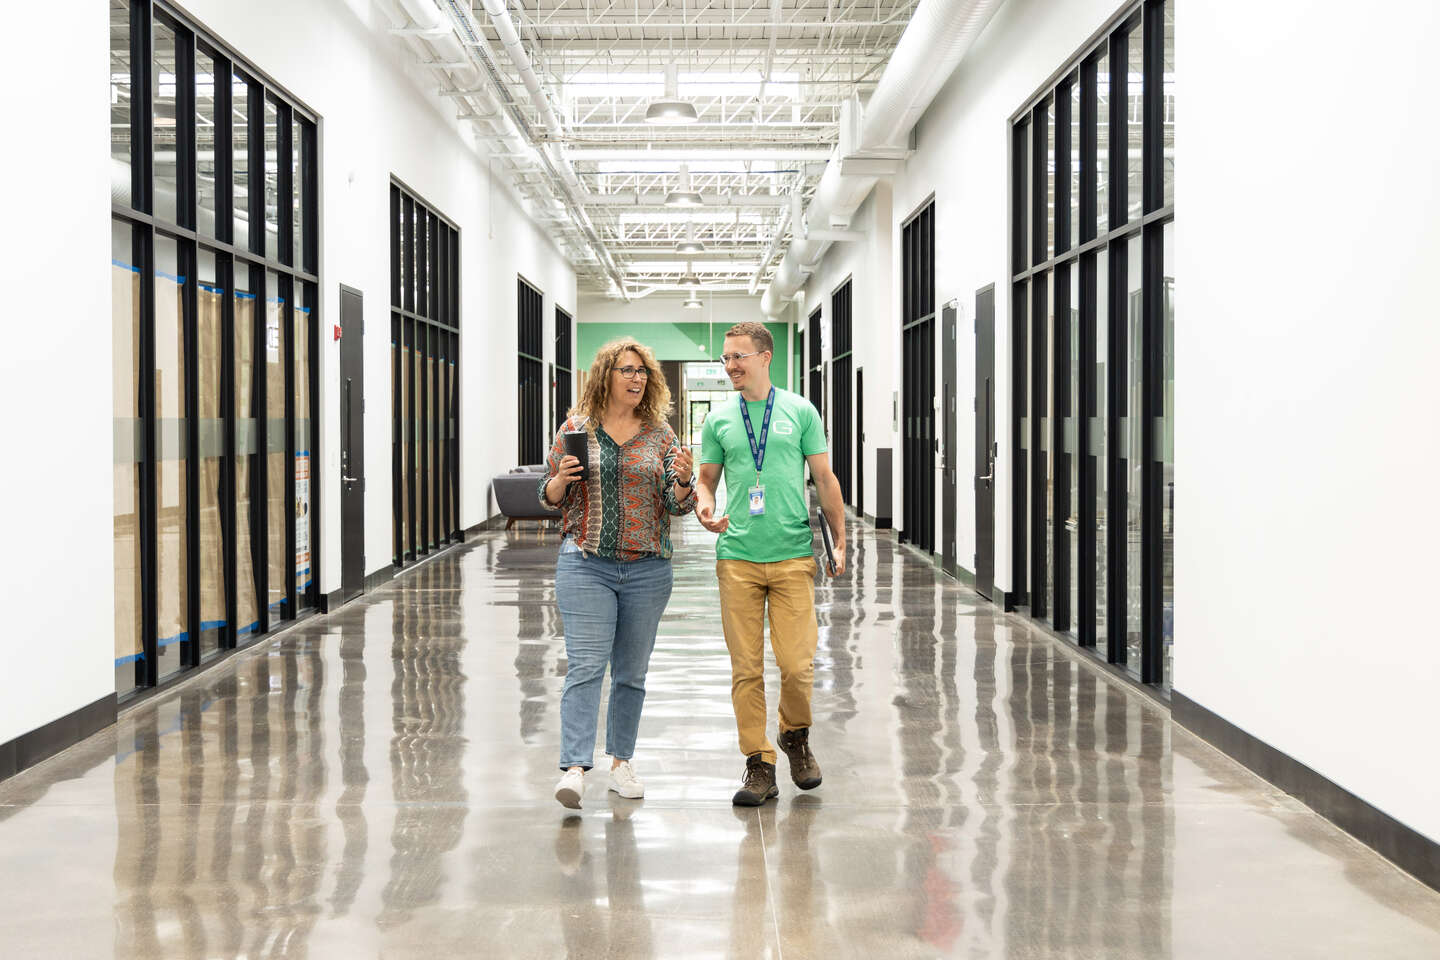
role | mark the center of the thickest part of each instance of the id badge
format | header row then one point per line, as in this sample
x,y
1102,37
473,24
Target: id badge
x,y
757,500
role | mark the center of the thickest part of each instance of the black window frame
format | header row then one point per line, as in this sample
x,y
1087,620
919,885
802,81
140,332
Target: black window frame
x,y
424,326
1072,433
231,259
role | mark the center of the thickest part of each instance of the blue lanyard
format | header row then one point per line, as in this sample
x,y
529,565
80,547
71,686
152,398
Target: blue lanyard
x,y
757,450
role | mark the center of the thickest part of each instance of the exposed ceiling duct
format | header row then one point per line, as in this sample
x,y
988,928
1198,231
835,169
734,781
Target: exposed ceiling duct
x,y
874,142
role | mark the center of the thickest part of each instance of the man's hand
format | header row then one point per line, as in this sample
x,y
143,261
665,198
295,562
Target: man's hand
x,y
709,521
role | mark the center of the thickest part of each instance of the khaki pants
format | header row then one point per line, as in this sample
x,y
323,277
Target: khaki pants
x,y
789,586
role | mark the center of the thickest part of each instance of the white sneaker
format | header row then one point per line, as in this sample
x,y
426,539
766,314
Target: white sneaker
x,y
570,788
624,782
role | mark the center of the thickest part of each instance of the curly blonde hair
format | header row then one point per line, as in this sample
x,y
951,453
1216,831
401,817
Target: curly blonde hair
x,y
654,406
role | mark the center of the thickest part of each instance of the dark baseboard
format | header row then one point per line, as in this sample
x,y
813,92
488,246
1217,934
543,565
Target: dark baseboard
x,y
1401,845
884,523
380,577
496,522
332,601
41,743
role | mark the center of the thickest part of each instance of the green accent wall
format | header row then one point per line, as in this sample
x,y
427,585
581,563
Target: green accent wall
x,y
688,342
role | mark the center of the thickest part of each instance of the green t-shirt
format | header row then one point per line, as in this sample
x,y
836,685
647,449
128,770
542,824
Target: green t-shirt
x,y
782,532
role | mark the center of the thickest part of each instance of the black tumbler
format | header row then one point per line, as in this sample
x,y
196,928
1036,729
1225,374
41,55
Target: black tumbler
x,y
577,445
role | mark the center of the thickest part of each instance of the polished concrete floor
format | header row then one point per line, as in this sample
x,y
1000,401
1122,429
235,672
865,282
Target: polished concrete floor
x,y
379,783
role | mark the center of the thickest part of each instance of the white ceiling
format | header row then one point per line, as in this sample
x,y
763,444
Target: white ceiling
x,y
766,78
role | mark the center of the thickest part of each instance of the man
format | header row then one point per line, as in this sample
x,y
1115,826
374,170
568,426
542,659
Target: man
x,y
762,443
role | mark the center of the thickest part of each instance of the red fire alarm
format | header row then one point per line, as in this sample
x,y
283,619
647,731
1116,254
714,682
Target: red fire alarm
x,y
337,332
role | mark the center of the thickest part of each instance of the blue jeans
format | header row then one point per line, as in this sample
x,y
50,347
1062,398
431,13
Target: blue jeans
x,y
611,610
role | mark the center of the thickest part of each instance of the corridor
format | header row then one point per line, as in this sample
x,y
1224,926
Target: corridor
x,y
379,782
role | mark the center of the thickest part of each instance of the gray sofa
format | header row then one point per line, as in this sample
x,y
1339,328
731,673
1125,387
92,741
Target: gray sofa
x,y
516,494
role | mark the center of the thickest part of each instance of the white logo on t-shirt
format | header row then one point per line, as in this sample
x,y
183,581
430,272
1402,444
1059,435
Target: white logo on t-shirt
x,y
783,427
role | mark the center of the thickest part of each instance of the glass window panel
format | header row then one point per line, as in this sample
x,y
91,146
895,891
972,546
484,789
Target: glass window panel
x,y
1047,444
247,456
172,592
1169,137
303,324
128,450
1133,452
1072,450
1050,179
209,358
432,441
407,436
1099,427
205,187
120,101
272,180
1167,451
275,455
297,184
1074,166
1102,152
1134,92
397,435
163,107
240,159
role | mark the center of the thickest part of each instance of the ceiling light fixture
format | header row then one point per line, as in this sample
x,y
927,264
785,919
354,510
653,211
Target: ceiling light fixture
x,y
690,244
670,109
694,303
683,196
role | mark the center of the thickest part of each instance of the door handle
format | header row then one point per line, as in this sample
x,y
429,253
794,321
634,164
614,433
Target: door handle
x,y
350,479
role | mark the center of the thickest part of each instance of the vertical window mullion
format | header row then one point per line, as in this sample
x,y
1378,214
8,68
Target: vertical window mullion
x,y
287,336
225,274
190,648
1063,158
285,187
1117,482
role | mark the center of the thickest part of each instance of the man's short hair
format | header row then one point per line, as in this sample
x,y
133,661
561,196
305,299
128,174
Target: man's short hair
x,y
758,333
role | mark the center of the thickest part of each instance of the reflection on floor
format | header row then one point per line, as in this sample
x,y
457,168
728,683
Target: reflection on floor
x,y
378,782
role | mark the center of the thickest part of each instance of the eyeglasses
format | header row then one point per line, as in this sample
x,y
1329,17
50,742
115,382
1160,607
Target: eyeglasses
x,y
630,373
728,358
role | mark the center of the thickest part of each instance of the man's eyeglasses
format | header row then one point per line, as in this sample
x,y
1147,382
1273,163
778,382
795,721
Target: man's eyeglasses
x,y
630,373
728,358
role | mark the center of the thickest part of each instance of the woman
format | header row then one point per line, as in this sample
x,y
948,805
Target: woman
x,y
613,579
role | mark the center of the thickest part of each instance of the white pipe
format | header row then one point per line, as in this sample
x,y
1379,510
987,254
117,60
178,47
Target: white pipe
x,y
938,37
510,40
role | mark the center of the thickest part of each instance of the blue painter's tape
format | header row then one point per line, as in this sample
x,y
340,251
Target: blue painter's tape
x,y
121,661
128,266
209,289
242,295
275,300
170,276
303,309
253,628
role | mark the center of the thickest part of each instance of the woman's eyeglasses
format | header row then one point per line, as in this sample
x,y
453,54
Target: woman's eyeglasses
x,y
630,373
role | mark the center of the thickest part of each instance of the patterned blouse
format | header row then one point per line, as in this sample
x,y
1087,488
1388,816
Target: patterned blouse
x,y
623,510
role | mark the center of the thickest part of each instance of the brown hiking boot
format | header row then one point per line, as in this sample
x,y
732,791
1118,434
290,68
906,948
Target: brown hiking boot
x,y
758,784
804,768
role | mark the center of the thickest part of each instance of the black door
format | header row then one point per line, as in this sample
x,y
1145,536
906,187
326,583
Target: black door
x,y
950,458
860,441
986,446
352,444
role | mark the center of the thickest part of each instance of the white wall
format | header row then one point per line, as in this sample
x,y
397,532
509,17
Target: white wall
x,y
57,568
380,118
1308,233
875,329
